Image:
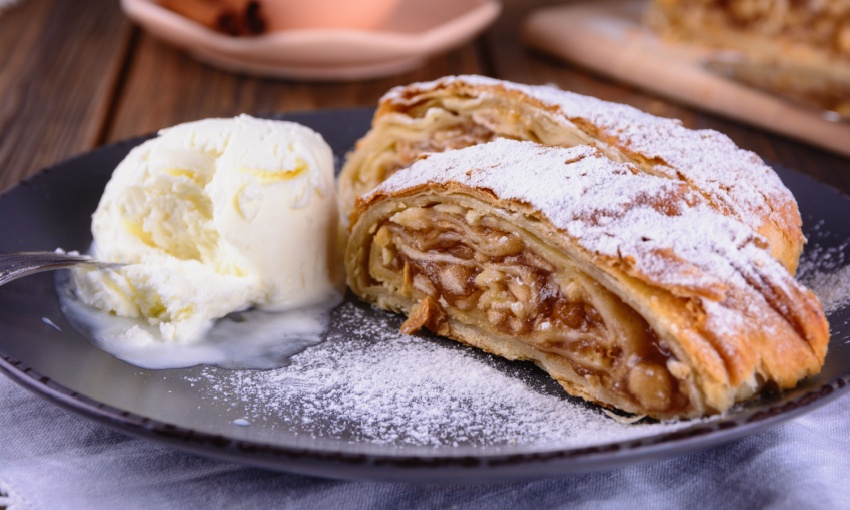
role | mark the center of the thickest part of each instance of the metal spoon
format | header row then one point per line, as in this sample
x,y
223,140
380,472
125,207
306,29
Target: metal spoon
x,y
18,264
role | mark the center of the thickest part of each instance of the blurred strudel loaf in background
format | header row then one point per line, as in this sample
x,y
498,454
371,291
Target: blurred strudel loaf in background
x,y
797,48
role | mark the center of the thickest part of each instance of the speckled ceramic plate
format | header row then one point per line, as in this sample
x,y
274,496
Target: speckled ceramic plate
x,y
187,409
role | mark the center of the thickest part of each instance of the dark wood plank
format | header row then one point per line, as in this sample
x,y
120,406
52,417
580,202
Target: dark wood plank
x,y
166,86
511,61
59,64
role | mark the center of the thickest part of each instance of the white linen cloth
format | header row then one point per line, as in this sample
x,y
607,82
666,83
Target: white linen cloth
x,y
52,459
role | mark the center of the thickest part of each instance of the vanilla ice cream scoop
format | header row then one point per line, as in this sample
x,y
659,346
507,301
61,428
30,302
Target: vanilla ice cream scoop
x,y
216,216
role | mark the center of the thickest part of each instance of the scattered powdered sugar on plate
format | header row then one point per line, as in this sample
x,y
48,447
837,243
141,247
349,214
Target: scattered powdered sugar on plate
x,y
832,288
826,271
370,383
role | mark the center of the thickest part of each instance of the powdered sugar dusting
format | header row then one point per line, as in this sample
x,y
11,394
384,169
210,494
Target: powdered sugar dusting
x,y
736,180
826,270
832,288
657,227
372,384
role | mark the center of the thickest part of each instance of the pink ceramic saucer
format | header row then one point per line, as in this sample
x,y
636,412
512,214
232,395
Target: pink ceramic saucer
x,y
414,32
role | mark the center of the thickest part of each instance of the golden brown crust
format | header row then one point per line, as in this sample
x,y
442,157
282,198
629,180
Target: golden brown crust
x,y
729,317
457,112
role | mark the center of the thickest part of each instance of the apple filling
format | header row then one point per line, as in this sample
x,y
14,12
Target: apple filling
x,y
456,263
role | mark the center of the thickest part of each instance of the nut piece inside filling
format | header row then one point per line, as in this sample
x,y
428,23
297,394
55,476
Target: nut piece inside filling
x,y
446,257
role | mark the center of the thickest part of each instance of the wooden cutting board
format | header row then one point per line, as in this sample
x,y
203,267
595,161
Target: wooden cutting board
x,y
609,37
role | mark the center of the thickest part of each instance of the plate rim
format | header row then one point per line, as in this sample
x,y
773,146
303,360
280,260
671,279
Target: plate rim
x,y
452,469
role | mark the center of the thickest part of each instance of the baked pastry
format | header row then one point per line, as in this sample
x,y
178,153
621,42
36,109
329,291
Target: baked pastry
x,y
630,289
798,29
799,49
457,112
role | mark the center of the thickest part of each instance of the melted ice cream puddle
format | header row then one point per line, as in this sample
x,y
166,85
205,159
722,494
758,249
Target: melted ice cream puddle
x,y
249,339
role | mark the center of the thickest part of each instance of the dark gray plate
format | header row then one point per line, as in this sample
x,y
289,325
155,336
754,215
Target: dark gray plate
x,y
53,210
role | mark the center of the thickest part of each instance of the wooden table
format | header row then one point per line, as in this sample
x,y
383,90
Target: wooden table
x,y
78,74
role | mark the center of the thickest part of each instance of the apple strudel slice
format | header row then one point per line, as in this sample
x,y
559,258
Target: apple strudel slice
x,y
461,111
629,289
